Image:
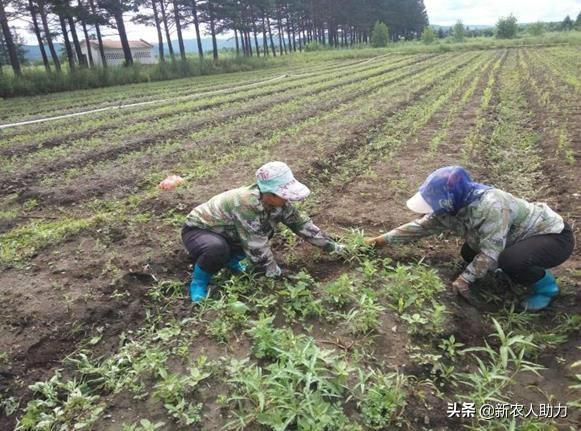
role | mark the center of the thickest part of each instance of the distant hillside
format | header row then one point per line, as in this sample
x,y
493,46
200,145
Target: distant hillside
x,y
32,52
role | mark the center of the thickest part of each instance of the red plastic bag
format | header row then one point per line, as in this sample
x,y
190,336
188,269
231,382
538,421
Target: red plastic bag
x,y
171,182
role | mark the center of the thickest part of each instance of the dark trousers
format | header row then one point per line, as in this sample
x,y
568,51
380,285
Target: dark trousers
x,y
209,250
525,262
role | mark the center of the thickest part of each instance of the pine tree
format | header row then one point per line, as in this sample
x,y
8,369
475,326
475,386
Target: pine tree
x,y
114,11
9,41
567,24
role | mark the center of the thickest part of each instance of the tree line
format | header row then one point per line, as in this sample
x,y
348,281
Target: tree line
x,y
259,27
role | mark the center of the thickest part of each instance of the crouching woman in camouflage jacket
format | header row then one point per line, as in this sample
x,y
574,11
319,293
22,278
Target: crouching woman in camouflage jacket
x,y
501,231
239,223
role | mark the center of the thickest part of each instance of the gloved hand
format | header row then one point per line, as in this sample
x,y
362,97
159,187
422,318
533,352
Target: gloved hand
x,y
274,272
378,241
461,287
338,248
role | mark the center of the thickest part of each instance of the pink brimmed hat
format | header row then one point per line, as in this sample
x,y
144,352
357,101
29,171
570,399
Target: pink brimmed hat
x,y
277,178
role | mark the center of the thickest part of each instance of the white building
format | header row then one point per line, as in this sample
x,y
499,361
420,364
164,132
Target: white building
x,y
141,51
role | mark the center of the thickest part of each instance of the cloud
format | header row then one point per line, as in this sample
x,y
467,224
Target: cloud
x,y
482,12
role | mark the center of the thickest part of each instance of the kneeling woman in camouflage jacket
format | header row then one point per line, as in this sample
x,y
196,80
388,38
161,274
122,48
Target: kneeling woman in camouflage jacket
x,y
501,231
239,223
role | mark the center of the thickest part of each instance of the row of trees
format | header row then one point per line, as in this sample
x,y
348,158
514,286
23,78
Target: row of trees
x,y
506,28
259,27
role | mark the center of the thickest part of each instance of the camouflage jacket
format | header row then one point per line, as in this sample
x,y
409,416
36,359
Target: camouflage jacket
x,y
489,225
241,218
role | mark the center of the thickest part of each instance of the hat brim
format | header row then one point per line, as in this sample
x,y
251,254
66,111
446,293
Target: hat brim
x,y
419,205
293,191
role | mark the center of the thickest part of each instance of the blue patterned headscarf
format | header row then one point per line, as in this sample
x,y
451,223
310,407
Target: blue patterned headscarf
x,y
449,189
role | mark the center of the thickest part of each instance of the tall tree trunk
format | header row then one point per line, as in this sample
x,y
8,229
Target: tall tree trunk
x,y
36,29
80,56
68,48
237,45
213,32
280,36
270,36
123,36
176,13
294,37
264,40
166,26
249,43
288,34
158,29
300,40
48,36
197,28
10,46
254,31
86,33
99,37
242,42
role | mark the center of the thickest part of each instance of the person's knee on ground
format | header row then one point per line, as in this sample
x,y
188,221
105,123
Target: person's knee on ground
x,y
541,282
467,253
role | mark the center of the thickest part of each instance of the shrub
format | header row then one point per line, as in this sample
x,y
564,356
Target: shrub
x,y
506,28
537,29
379,35
313,46
459,32
428,35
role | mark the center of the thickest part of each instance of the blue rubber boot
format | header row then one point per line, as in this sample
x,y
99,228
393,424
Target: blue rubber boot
x,y
235,265
199,285
543,293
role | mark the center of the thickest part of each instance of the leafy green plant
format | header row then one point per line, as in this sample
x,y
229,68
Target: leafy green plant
x,y
356,250
410,285
340,291
61,405
9,405
383,400
143,425
300,390
175,389
299,299
451,347
495,372
167,289
268,340
364,317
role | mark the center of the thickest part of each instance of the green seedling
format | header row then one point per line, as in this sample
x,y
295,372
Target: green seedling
x,y
298,297
451,347
383,400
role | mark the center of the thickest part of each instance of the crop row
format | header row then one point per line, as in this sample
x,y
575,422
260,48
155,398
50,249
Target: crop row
x,y
203,162
281,116
558,106
29,108
406,134
109,127
270,111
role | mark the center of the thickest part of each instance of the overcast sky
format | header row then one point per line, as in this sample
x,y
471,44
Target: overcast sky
x,y
482,12
442,12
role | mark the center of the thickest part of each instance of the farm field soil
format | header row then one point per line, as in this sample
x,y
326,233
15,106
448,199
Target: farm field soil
x,y
97,330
